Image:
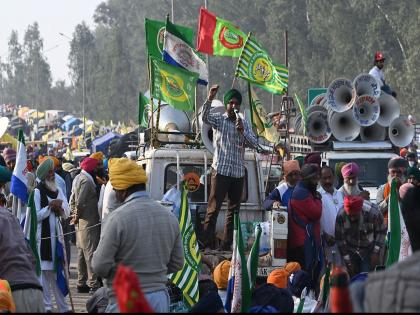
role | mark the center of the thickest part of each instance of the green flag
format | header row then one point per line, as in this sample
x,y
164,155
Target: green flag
x,y
255,66
260,121
303,112
252,264
144,108
155,35
187,278
173,85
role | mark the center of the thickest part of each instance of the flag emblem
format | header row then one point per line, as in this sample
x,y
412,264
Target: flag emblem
x,y
160,37
172,87
230,39
259,69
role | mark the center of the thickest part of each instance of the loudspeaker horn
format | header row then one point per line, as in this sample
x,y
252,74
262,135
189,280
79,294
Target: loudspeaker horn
x,y
318,99
389,109
316,108
341,95
374,132
4,123
317,126
365,84
401,132
366,110
343,126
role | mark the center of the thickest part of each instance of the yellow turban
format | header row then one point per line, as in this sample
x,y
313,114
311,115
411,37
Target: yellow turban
x,y
97,156
279,278
55,160
221,274
124,173
292,267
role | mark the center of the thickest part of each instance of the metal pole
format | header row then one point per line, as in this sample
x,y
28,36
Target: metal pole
x,y
83,94
172,11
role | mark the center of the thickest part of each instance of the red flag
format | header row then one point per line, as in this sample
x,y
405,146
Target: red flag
x,y
129,295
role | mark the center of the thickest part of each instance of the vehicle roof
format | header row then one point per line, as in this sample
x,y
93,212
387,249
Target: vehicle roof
x,y
166,153
332,155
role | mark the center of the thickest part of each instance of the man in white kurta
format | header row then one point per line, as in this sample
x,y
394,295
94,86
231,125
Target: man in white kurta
x,y
50,203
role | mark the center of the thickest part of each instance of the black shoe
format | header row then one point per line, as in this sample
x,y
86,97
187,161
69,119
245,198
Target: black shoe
x,y
83,289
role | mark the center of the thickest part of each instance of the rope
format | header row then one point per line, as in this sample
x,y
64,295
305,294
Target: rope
x,y
64,234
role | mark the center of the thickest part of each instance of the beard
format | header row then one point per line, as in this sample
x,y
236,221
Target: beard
x,y
352,190
51,185
401,179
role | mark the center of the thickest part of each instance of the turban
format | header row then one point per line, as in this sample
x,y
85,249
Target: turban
x,y
221,274
410,155
88,164
5,174
403,152
298,281
55,160
97,156
209,303
290,166
413,171
124,173
6,298
46,165
313,158
9,154
278,277
350,169
309,170
268,294
300,159
67,167
397,162
292,267
353,204
404,188
232,94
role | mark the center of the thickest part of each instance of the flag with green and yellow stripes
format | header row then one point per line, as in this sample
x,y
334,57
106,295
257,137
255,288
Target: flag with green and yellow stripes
x,y
187,278
256,66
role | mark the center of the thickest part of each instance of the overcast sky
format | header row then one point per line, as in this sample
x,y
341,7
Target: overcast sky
x,y
53,17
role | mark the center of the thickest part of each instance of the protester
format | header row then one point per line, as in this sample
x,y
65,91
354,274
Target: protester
x,y
17,264
411,158
9,155
281,194
210,303
413,175
141,234
350,173
270,299
396,170
403,152
221,277
50,204
298,281
332,202
84,206
231,135
360,235
378,73
109,202
305,208
397,289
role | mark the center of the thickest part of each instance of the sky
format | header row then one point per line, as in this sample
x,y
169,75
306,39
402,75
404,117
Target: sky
x,y
53,17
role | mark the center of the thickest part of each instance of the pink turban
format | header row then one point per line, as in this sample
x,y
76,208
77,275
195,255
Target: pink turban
x,y
88,164
350,169
313,158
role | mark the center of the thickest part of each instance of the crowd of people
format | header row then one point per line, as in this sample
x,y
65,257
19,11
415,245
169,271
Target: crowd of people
x,y
332,223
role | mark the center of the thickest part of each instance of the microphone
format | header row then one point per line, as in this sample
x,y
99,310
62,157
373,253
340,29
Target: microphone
x,y
237,114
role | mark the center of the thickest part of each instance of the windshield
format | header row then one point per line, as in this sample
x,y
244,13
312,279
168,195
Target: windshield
x,y
373,172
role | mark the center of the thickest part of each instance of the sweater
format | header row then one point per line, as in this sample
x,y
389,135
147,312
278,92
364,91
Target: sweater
x,y
143,235
17,262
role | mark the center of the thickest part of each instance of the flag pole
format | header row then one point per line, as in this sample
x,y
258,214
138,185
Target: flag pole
x,y
66,266
149,67
197,123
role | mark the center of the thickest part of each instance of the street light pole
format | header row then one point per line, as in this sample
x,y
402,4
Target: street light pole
x,y
83,94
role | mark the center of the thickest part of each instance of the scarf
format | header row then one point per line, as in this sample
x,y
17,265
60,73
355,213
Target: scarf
x,y
46,251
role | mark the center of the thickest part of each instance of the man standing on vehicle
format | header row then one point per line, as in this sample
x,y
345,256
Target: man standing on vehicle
x,y
378,74
231,134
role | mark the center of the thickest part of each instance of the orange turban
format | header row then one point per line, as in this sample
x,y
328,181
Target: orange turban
x,y
221,274
353,204
292,267
290,166
97,156
6,298
53,158
403,152
279,278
